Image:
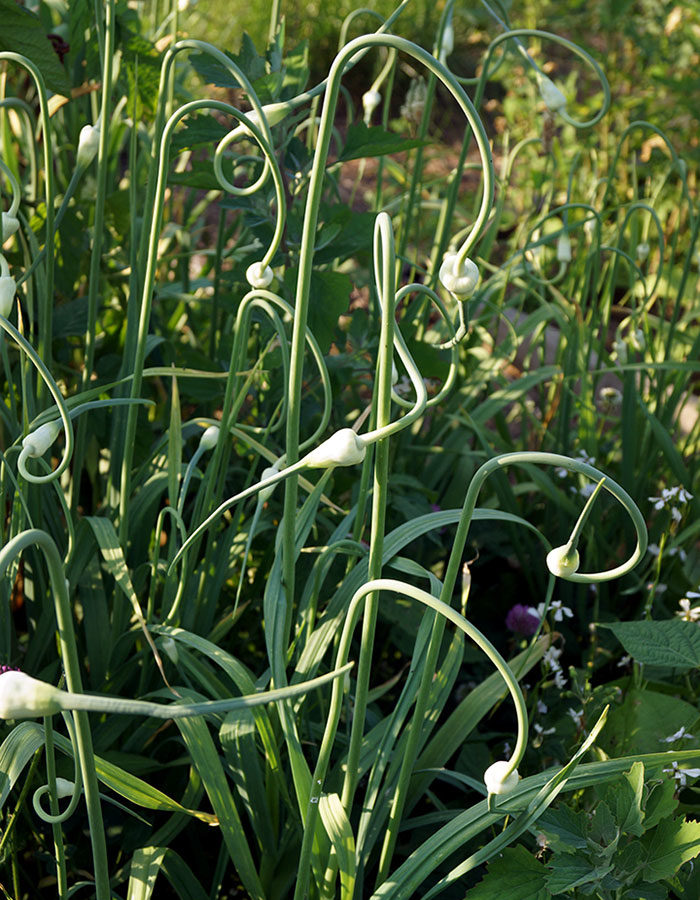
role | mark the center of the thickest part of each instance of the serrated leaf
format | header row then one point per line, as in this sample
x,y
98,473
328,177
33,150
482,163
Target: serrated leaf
x,y
672,843
670,642
364,141
569,872
211,71
565,829
515,875
624,799
603,830
23,33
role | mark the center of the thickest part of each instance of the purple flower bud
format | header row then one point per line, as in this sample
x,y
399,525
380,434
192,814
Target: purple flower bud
x,y
522,620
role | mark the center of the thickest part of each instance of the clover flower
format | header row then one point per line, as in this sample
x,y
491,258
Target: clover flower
x,y
522,619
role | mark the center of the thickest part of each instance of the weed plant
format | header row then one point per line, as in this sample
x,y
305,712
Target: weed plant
x,y
264,347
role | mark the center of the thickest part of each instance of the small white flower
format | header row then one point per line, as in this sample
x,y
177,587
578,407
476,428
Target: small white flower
x,y
543,731
687,612
682,775
654,549
576,716
560,680
624,662
541,707
587,489
681,734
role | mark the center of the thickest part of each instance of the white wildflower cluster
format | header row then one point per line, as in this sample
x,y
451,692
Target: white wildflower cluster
x,y
682,775
556,607
670,499
687,612
551,659
654,550
680,735
542,732
589,486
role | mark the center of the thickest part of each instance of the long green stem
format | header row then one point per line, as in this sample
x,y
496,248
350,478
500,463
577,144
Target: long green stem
x,y
71,665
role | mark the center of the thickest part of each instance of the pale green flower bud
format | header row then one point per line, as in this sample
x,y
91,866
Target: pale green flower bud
x,y
88,144
460,281
64,788
259,276
209,438
370,101
267,473
10,224
448,41
496,780
8,288
344,448
38,442
564,248
563,561
24,697
642,251
274,114
553,98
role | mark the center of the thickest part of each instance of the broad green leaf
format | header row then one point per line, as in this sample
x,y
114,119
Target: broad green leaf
x,y
661,802
23,33
329,298
571,871
211,71
669,642
363,141
196,131
145,865
565,829
339,831
514,875
624,799
668,846
643,720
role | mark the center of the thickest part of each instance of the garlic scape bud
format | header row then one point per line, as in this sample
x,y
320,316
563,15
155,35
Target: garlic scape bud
x,y
88,144
500,778
37,442
642,251
10,224
344,448
8,288
564,248
563,561
553,98
370,101
24,697
447,44
268,473
459,279
259,276
209,438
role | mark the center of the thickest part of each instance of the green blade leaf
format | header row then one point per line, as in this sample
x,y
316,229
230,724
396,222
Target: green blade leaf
x,y
339,831
145,865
